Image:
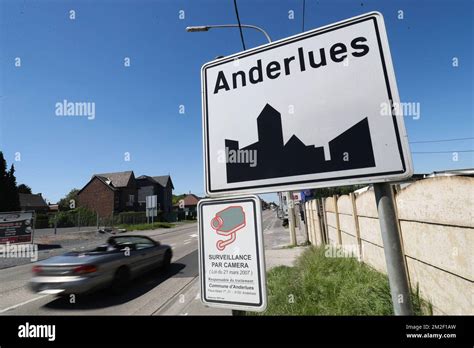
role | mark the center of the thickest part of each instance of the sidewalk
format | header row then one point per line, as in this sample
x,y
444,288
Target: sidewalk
x,y
188,302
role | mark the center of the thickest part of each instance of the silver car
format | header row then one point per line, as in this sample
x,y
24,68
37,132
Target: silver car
x,y
112,264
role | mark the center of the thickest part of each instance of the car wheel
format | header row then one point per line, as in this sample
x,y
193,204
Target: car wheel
x,y
167,259
121,280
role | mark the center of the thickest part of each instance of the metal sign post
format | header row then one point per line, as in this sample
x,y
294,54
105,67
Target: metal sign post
x,y
396,268
318,109
151,208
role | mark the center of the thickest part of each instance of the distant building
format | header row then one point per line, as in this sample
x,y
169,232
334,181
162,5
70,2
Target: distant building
x,y
53,208
188,204
420,176
452,172
111,193
34,202
161,186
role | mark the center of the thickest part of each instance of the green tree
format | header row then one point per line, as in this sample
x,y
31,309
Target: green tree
x,y
65,203
177,198
24,189
3,184
12,191
338,190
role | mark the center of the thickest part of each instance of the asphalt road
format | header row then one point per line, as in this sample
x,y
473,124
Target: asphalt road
x,y
172,292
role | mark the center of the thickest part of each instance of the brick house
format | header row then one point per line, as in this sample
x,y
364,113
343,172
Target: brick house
x,y
162,186
188,204
109,193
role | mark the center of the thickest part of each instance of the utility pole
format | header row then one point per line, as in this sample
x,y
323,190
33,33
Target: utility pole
x,y
396,267
291,217
305,223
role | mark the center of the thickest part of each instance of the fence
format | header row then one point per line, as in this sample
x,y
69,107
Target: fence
x,y
81,218
436,219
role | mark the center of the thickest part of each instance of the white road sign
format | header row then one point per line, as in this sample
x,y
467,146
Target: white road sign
x,y
231,255
151,205
317,109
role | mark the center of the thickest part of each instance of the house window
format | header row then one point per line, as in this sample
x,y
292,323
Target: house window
x,y
131,200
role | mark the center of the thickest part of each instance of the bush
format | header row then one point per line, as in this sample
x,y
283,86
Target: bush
x,y
130,217
169,217
71,218
41,221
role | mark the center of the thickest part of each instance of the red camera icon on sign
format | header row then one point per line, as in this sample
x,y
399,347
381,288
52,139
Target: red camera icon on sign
x,y
226,223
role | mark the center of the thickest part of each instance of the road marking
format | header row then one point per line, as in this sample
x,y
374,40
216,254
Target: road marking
x,y
22,304
194,235
187,242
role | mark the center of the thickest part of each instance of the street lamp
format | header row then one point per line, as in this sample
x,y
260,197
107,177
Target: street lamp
x,y
207,27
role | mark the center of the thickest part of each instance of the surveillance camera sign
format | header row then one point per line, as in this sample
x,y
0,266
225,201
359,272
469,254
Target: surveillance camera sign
x,y
231,258
314,110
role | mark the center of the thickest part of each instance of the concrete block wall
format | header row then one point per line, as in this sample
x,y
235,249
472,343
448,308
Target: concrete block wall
x,y
436,218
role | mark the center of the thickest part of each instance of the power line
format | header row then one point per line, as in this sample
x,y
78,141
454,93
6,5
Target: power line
x,y
440,141
304,6
240,25
453,151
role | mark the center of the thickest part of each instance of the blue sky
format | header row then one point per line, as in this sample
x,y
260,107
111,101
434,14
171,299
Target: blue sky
x,y
137,107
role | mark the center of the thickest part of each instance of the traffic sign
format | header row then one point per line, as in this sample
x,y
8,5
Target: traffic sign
x,y
317,109
231,255
151,206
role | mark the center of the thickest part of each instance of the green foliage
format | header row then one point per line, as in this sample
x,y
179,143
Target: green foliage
x,y
71,218
64,203
24,189
9,198
131,217
320,285
41,221
339,190
176,198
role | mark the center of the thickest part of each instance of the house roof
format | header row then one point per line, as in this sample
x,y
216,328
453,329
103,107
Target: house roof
x,y
119,179
111,180
190,199
161,180
28,200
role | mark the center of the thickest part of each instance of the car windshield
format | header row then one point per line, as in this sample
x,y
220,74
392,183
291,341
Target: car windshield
x,y
138,242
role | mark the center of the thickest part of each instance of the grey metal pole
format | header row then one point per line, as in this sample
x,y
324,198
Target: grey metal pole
x,y
396,268
291,218
305,225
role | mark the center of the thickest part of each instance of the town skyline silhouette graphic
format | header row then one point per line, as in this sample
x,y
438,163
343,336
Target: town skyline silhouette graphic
x,y
352,149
